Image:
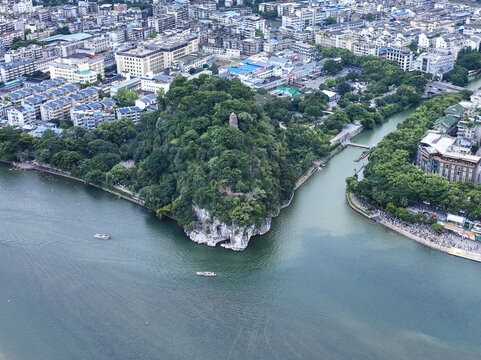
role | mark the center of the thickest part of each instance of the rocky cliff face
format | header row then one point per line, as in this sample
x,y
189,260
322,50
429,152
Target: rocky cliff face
x,y
211,231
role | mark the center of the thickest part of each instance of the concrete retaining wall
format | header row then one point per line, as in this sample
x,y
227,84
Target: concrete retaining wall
x,y
449,250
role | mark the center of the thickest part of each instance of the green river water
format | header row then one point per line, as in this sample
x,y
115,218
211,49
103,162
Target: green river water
x,y
324,283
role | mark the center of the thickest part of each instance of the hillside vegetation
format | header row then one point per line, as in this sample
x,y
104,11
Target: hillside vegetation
x,y
392,181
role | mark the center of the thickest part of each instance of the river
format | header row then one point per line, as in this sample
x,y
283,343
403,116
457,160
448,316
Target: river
x,y
324,283
474,83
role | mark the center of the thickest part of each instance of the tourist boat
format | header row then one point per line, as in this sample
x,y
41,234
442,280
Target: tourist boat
x,y
102,236
206,273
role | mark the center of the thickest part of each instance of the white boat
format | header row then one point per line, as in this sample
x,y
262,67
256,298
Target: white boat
x,y
102,236
206,273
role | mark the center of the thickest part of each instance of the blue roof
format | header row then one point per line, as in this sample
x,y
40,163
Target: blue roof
x,y
108,102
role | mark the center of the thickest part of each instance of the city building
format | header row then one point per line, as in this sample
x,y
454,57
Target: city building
x,y
403,57
156,83
437,62
304,49
55,109
59,108
20,115
91,115
162,22
446,156
80,68
131,112
12,70
142,60
146,101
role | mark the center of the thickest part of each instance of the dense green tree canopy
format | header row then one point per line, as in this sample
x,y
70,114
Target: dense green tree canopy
x,y
126,97
391,180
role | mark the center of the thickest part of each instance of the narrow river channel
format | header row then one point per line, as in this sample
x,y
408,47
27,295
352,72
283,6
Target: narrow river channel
x,y
324,283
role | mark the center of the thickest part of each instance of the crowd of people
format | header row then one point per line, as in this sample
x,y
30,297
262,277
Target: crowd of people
x,y
423,231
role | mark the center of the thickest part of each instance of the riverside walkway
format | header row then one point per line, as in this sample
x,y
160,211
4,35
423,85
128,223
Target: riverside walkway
x,y
119,191
449,243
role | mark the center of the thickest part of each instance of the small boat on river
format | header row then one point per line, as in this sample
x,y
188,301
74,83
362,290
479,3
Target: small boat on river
x,y
206,273
102,236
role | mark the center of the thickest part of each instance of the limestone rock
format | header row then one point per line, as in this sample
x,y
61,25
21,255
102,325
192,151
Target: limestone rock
x,y
211,231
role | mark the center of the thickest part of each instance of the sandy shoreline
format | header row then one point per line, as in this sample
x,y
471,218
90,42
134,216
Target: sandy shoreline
x,y
470,255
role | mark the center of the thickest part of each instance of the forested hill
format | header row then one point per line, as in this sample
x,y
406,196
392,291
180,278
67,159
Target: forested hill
x,y
189,154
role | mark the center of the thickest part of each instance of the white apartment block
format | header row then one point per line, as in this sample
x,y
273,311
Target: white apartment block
x,y
90,116
365,49
24,6
98,44
435,62
403,57
152,59
11,71
20,115
79,68
56,109
30,52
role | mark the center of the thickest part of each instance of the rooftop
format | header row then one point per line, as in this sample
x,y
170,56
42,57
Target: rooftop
x,y
434,142
68,38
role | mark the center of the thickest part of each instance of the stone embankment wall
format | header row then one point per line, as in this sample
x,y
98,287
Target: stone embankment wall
x,y
351,200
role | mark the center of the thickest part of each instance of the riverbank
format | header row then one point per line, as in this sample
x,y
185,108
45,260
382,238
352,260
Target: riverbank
x,y
30,165
316,166
382,219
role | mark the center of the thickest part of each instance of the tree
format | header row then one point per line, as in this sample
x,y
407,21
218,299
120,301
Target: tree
x,y
66,160
19,42
330,20
215,69
94,177
458,76
413,47
330,82
153,35
343,88
259,33
161,99
438,228
352,75
100,146
369,17
119,174
428,76
62,31
126,97
332,67
469,59
192,71
117,132
271,14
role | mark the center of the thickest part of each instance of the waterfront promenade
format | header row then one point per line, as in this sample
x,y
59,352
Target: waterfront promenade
x,y
117,190
447,242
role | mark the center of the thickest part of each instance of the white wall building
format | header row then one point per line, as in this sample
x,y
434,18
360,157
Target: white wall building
x,y
435,62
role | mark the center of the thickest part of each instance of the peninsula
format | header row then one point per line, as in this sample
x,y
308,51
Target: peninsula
x,y
217,157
